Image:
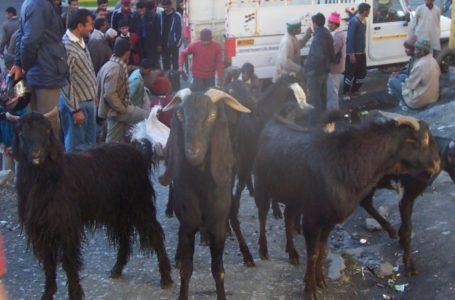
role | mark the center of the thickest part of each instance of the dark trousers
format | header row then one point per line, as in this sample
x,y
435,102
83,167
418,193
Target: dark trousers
x,y
170,58
201,85
317,92
354,73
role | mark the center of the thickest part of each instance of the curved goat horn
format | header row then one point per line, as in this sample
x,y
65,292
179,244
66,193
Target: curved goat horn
x,y
403,120
178,98
300,95
216,95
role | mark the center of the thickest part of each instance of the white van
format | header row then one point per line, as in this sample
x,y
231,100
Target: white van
x,y
252,29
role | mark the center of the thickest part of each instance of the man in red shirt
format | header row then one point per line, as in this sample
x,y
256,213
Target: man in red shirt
x,y
207,60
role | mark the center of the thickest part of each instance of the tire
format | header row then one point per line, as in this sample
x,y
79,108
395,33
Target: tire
x,y
446,59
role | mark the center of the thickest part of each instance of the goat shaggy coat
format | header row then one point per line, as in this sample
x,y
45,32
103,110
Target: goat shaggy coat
x,y
61,194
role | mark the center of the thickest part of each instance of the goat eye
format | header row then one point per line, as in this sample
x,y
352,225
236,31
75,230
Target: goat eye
x,y
179,115
212,116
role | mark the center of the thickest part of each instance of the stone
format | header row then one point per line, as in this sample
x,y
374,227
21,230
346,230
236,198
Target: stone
x,y
336,266
383,270
6,176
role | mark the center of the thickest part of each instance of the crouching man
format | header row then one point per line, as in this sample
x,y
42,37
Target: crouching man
x,y
421,88
113,92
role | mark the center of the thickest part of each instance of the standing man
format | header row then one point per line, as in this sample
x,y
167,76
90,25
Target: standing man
x,y
170,35
114,97
72,6
317,64
207,60
145,25
288,59
122,13
77,101
338,65
41,56
356,60
8,28
426,25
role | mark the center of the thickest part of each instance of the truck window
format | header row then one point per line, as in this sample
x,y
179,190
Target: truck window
x,y
385,11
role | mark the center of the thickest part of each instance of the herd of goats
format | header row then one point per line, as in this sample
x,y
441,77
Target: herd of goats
x,y
320,171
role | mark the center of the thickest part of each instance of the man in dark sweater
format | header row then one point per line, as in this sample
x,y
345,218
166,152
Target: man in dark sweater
x,y
10,26
170,35
317,64
356,67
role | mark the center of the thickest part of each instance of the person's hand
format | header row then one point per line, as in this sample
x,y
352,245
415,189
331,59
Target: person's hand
x,y
308,31
394,74
352,58
78,118
17,72
183,74
97,101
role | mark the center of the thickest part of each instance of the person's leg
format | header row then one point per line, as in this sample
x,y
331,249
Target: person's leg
x,y
175,58
197,85
43,101
209,83
166,56
89,110
322,83
115,131
395,87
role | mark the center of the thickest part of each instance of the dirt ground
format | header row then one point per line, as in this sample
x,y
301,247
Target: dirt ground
x,y
433,242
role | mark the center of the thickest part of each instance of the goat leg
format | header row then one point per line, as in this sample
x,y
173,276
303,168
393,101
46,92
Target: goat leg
x,y
217,241
276,210
50,269
72,264
170,204
312,252
249,186
123,253
406,206
289,224
186,246
320,279
367,204
247,257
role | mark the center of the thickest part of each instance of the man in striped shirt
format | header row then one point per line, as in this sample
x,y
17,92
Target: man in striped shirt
x,y
77,101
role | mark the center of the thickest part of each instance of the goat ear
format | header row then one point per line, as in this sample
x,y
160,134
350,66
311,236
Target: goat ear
x,y
175,150
18,154
221,155
178,98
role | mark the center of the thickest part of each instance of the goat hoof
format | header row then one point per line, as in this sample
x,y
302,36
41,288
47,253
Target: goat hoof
x,y
321,284
294,261
115,273
264,256
250,263
310,295
48,295
166,283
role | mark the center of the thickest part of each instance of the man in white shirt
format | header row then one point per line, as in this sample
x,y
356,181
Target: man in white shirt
x,y
426,25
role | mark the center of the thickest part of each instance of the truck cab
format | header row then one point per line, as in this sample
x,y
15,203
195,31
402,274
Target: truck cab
x,y
252,29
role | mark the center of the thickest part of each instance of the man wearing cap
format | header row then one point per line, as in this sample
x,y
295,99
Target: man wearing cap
x,y
288,59
113,92
77,101
396,78
136,82
207,60
421,88
337,67
426,25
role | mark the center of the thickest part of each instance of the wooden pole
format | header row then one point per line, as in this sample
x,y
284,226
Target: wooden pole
x,y
452,29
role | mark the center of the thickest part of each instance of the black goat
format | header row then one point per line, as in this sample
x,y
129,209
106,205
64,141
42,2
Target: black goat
x,y
201,164
328,174
60,194
411,187
250,127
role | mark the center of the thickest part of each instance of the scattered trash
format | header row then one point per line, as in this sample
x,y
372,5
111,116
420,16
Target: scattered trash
x,y
363,241
387,297
380,285
400,287
396,269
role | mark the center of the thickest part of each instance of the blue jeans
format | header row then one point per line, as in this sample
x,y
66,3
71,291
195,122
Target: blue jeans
x,y
201,85
78,137
395,86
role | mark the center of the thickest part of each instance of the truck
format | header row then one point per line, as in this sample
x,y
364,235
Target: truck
x,y
251,30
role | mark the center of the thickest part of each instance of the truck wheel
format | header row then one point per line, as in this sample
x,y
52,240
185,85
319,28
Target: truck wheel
x,y
446,59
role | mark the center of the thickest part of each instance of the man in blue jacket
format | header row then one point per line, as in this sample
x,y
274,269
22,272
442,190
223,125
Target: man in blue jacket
x,y
170,35
41,56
